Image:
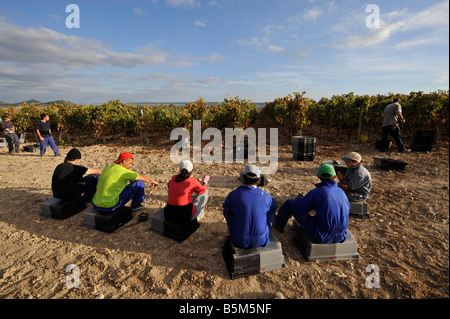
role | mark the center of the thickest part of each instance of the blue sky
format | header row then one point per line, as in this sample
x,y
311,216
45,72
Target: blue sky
x,y
180,50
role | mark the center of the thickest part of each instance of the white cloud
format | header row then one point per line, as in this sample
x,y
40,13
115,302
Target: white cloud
x,y
139,12
52,47
274,48
442,78
434,17
213,57
252,41
418,43
312,14
181,3
199,24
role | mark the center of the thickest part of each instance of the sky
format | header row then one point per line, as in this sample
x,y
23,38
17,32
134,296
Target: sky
x,y
258,50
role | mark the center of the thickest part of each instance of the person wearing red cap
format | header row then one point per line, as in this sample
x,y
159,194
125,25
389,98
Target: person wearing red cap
x,y
113,189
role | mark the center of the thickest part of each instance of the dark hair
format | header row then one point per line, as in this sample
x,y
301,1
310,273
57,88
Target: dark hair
x,y
396,100
184,174
43,115
73,155
250,180
325,179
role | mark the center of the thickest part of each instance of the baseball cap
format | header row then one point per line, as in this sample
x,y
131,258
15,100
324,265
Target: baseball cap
x,y
187,165
124,156
74,154
252,171
352,156
326,171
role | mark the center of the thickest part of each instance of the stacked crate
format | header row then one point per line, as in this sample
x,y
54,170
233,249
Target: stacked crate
x,y
303,148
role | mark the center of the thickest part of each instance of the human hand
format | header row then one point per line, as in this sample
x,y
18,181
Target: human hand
x,y
154,184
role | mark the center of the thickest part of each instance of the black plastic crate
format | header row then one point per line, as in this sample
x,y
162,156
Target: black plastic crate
x,y
303,157
304,144
107,222
59,209
389,163
422,141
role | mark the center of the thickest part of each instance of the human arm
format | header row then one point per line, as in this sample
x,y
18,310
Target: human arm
x,y
148,180
38,131
205,181
93,171
228,213
39,135
400,117
271,213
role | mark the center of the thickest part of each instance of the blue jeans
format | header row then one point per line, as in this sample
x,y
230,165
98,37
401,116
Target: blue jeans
x,y
387,130
134,192
287,211
87,187
48,140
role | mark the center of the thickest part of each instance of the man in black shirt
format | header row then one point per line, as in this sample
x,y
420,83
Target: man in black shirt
x,y
11,137
71,181
44,133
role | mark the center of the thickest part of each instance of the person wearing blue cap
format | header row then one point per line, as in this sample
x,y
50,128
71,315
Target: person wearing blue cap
x,y
249,211
331,206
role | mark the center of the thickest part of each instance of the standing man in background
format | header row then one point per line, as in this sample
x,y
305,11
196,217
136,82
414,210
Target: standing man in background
x,y
391,116
44,133
11,137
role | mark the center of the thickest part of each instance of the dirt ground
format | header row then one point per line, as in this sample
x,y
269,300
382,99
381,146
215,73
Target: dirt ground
x,y
406,237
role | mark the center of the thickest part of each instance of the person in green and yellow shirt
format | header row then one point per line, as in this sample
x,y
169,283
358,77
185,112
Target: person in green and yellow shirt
x,y
113,189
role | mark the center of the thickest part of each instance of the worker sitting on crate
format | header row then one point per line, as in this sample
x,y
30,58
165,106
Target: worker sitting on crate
x,y
181,208
114,192
331,206
249,211
71,181
357,181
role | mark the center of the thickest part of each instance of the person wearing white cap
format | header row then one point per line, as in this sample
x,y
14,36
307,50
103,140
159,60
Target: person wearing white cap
x,y
181,208
249,211
357,181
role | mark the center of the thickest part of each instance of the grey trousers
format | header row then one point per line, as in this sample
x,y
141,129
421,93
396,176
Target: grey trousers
x,y
13,142
199,203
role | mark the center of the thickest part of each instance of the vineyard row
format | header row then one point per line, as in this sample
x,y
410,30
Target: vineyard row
x,y
346,113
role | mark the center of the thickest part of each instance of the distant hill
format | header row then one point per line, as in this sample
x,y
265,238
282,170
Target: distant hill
x,y
36,102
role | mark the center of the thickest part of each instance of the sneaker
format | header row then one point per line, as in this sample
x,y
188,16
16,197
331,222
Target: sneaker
x,y
405,150
136,208
58,154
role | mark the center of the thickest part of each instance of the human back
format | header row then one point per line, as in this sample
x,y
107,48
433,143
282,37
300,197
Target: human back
x,y
111,183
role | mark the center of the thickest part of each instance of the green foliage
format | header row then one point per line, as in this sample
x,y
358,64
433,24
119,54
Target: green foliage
x,y
290,112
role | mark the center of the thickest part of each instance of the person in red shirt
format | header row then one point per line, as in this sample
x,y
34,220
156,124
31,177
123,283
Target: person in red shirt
x,y
181,207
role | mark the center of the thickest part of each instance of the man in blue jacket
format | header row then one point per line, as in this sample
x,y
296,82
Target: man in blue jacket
x,y
329,224
249,211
